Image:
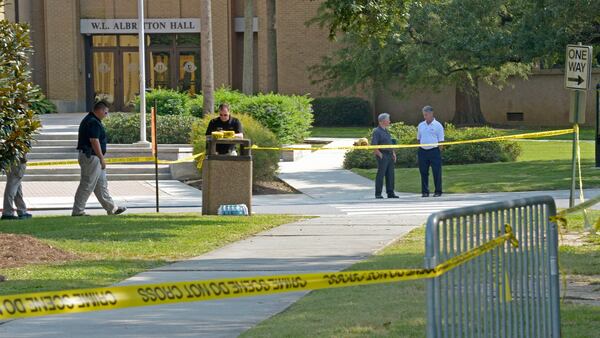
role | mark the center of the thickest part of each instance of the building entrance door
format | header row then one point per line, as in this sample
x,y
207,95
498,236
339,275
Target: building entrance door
x,y
116,78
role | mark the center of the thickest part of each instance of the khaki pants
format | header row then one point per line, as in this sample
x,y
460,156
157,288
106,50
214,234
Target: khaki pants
x,y
13,193
93,178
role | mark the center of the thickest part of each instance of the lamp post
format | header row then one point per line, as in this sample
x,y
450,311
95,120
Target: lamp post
x,y
142,72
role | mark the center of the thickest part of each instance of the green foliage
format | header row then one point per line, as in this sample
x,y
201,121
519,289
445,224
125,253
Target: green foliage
x,y
485,152
288,117
41,104
170,129
222,95
18,121
264,163
168,102
341,111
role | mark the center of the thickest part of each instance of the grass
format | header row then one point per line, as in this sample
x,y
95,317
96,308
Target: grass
x,y
113,248
585,133
399,309
543,165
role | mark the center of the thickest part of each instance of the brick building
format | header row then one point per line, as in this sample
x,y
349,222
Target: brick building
x,y
87,49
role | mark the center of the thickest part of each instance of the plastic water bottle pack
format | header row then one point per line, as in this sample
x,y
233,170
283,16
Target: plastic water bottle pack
x,y
233,209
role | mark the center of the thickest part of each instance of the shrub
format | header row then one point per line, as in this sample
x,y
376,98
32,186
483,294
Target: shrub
x,y
19,122
404,134
342,111
168,102
484,152
170,129
222,95
288,117
41,105
264,163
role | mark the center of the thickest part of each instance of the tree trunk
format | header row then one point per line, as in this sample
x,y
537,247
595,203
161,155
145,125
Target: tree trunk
x,y
248,76
468,106
207,66
374,110
271,47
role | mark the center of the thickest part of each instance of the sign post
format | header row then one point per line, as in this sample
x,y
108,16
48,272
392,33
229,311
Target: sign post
x,y
598,125
578,75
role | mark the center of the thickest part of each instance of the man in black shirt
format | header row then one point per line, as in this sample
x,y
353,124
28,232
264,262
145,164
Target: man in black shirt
x,y
222,123
91,144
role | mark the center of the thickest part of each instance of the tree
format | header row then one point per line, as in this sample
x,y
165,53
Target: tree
x,y
458,43
207,66
248,75
272,75
18,121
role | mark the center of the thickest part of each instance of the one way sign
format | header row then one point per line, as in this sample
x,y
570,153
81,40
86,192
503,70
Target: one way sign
x,y
578,67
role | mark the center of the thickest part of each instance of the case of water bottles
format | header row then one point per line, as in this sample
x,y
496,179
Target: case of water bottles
x,y
233,209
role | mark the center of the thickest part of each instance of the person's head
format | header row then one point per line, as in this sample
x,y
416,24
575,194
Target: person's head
x,y
427,113
224,112
384,120
101,109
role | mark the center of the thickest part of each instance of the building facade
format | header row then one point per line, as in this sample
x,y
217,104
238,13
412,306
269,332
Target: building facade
x,y
87,50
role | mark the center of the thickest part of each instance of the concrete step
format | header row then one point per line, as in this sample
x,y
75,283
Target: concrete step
x,y
111,169
55,143
52,156
57,136
53,149
75,177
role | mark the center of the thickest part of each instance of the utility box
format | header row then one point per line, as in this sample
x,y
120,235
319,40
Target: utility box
x,y
226,179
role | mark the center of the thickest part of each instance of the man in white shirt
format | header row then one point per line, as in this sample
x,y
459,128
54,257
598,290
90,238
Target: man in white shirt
x,y
430,132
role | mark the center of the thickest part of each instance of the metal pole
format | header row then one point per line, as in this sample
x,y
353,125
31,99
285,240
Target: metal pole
x,y
574,165
142,71
155,151
598,125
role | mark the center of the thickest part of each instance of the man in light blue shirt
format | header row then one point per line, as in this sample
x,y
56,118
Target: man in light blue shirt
x,y
430,132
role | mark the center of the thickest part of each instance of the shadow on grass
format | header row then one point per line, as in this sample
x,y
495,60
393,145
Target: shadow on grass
x,y
72,275
123,228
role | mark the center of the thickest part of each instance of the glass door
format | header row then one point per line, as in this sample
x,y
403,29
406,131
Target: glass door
x,y
105,75
160,69
131,79
189,79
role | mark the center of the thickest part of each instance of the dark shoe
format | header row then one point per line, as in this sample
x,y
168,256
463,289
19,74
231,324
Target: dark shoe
x,y
437,194
393,196
25,215
378,196
425,194
120,210
83,214
8,217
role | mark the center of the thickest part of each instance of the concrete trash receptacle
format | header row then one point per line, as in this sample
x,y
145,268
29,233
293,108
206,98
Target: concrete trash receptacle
x,y
226,179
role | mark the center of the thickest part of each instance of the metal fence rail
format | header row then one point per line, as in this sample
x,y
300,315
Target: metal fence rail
x,y
507,292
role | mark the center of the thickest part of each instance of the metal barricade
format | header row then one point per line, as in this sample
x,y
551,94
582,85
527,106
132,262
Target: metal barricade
x,y
507,292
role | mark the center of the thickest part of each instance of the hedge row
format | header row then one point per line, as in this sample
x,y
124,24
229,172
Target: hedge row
x,y
288,117
486,152
342,112
170,129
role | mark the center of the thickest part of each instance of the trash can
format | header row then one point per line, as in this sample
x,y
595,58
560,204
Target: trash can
x,y
226,179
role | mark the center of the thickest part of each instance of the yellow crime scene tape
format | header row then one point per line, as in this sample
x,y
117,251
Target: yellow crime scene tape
x,y
561,216
118,297
397,146
141,159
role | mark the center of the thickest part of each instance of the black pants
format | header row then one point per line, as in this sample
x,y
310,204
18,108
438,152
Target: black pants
x,y
385,168
433,158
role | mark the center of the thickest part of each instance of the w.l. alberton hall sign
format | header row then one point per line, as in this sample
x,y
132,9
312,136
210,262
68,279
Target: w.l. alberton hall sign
x,y
130,26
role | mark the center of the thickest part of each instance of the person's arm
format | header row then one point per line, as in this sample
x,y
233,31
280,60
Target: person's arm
x,y
98,150
441,136
209,129
375,141
239,130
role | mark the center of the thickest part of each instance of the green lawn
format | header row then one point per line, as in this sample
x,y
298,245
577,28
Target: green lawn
x,y
112,248
585,133
399,309
543,165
